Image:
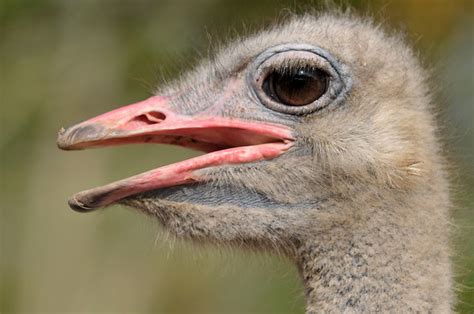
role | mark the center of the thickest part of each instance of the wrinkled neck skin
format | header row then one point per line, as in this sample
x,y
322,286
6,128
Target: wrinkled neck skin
x,y
386,259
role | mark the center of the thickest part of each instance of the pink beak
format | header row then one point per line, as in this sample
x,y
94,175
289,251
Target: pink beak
x,y
228,141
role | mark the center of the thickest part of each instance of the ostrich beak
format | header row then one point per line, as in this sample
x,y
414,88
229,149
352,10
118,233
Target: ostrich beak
x,y
226,141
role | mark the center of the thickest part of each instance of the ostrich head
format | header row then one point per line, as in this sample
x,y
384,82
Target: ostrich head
x,y
317,136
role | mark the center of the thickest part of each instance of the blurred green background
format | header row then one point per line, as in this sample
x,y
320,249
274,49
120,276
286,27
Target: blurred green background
x,y
66,61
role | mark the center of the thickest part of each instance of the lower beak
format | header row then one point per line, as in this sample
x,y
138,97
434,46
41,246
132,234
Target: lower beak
x,y
229,141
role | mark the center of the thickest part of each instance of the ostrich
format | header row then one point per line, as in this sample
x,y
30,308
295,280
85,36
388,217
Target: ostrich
x,y
319,143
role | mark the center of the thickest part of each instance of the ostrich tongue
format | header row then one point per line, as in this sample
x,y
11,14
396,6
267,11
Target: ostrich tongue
x,y
227,141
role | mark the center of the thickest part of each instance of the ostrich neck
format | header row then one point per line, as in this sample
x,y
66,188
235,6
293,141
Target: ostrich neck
x,y
387,260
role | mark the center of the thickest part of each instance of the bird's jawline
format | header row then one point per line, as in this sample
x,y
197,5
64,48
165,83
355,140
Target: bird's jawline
x,y
174,174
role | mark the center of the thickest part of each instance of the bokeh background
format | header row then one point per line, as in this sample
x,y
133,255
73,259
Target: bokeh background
x,y
66,61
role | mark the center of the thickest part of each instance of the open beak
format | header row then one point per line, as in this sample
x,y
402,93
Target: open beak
x,y
226,141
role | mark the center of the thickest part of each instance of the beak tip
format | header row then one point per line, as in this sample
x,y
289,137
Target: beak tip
x,y
63,141
62,144
74,138
78,206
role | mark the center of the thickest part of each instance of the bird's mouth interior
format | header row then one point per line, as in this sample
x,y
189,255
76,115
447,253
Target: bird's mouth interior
x,y
225,142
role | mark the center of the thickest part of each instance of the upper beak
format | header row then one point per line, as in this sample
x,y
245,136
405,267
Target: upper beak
x,y
154,121
229,141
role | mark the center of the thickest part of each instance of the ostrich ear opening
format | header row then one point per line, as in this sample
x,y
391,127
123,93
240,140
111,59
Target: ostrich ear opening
x,y
226,141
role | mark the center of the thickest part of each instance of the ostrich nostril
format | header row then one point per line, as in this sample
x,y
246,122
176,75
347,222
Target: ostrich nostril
x,y
152,117
155,116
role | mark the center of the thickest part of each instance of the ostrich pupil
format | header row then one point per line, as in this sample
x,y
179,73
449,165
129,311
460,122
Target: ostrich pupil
x,y
296,88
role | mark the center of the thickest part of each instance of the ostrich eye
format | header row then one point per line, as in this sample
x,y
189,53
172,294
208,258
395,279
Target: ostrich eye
x,y
296,87
297,79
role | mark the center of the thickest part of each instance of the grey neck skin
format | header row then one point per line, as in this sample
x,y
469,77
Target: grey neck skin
x,y
381,263
371,253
